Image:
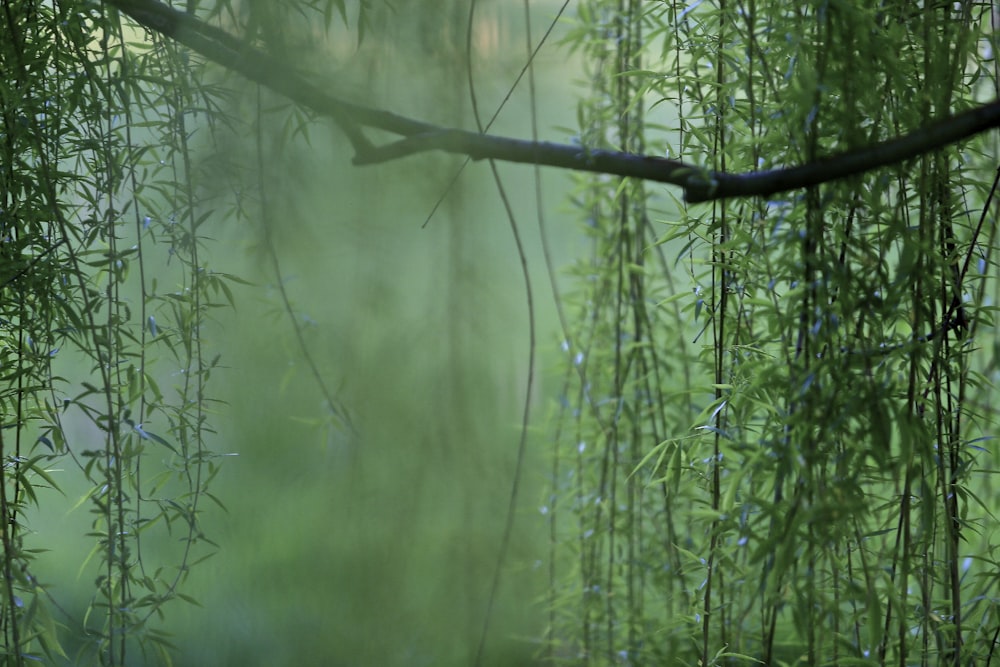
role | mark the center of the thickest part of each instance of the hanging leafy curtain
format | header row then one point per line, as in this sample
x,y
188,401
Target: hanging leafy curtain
x,y
104,326
776,411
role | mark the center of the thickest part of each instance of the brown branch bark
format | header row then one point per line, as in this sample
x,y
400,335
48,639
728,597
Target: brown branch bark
x,y
699,184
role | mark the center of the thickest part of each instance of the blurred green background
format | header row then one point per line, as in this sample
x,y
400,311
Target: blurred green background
x,y
380,549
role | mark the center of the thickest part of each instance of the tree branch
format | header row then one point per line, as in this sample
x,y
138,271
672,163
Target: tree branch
x,y
699,184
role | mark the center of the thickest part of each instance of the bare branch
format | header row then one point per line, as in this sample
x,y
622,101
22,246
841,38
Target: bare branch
x,y
699,184
935,136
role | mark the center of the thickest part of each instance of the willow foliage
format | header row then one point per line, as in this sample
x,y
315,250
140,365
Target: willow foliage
x,y
776,441
105,325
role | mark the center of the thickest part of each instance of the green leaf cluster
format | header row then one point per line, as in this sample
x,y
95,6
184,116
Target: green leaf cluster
x,y
105,329
766,447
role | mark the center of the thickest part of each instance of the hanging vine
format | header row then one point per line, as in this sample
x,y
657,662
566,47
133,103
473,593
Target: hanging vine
x,y
777,401
105,325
